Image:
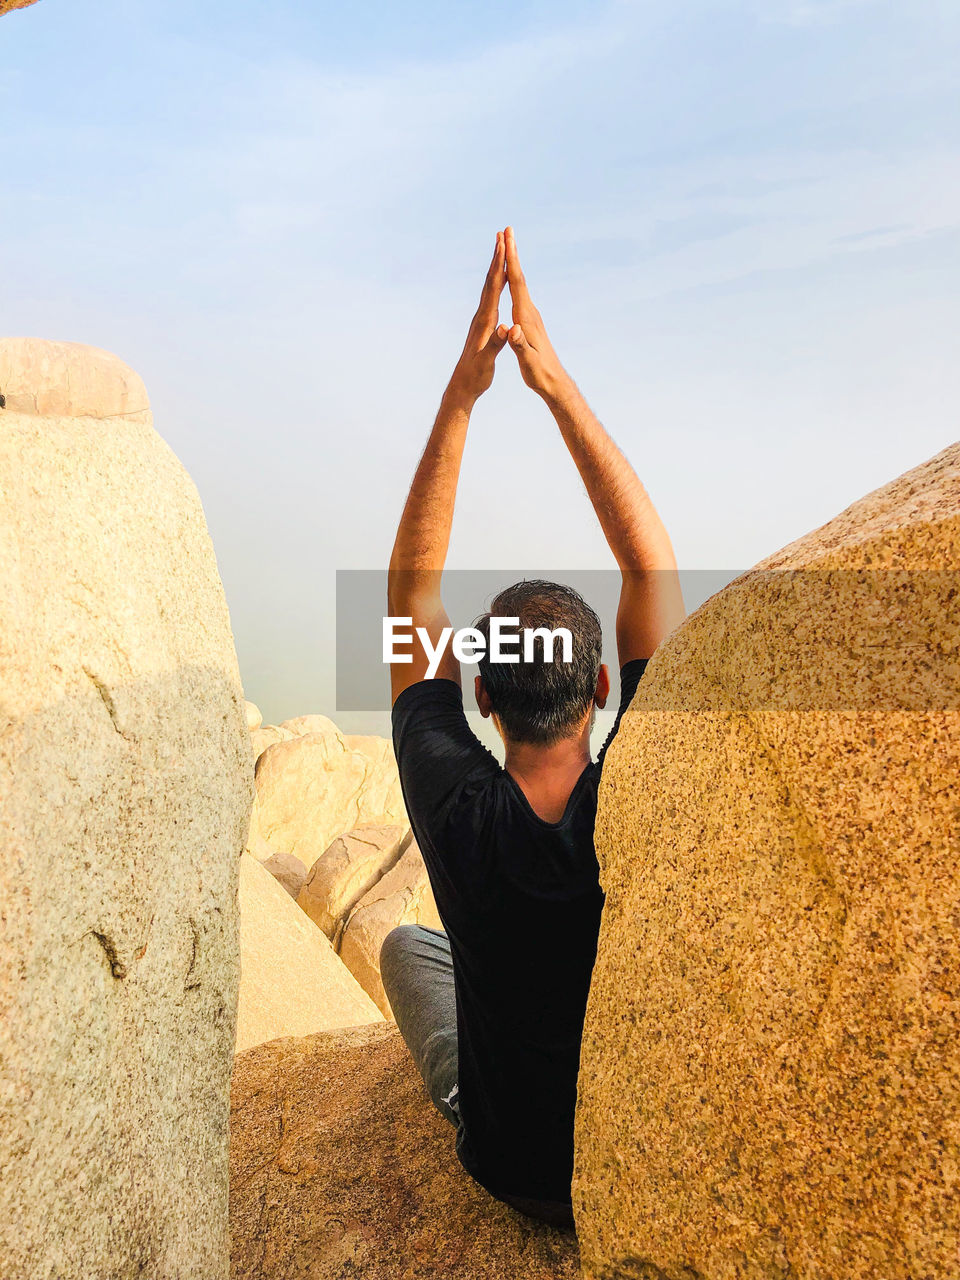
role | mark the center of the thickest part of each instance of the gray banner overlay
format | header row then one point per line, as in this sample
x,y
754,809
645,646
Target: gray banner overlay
x,y
855,640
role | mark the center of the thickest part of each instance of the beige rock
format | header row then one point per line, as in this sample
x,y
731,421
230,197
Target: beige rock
x,y
340,1166
125,790
287,871
266,736
770,1074
254,716
67,380
312,724
377,749
258,848
342,874
313,788
292,981
402,896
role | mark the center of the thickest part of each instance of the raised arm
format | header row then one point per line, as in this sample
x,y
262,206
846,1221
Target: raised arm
x,y
651,603
423,536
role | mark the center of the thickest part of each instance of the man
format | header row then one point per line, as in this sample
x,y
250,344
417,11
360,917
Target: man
x,y
492,1008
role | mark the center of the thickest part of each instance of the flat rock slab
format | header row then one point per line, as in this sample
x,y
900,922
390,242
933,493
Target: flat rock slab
x,y
340,1167
292,982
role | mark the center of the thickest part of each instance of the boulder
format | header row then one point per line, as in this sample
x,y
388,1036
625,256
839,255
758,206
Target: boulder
x,y
340,1166
402,896
313,788
342,874
292,981
7,5
67,380
770,1070
254,716
266,735
287,871
125,791
300,725
256,846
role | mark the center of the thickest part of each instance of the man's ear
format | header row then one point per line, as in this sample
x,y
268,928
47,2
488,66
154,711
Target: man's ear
x,y
603,686
483,698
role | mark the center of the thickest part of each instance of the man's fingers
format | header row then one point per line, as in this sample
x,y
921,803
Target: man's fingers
x,y
515,278
496,278
498,340
517,340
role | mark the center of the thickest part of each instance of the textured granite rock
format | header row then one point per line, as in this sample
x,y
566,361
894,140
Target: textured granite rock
x,y
7,5
402,896
343,873
292,982
340,1166
125,788
770,1074
313,788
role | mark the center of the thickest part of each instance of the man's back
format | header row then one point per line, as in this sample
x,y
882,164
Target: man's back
x,y
520,900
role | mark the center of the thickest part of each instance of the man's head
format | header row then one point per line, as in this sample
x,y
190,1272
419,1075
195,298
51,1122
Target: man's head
x,y
542,702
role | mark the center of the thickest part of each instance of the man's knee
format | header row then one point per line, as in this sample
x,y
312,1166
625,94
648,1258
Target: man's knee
x,y
395,945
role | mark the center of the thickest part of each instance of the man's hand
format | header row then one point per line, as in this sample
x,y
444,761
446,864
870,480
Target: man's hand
x,y
540,368
651,603
485,340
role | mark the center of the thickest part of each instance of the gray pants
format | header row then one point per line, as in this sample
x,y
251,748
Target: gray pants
x,y
417,973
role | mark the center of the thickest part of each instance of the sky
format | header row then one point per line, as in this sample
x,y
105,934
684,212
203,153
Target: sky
x,y
740,220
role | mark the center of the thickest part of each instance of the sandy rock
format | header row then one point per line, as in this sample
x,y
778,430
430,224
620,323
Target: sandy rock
x,y
342,874
402,896
300,725
311,789
340,1166
266,736
7,5
770,1079
292,982
287,871
67,380
258,848
254,716
125,790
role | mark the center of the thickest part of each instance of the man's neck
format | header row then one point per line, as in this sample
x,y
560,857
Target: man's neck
x,y
547,774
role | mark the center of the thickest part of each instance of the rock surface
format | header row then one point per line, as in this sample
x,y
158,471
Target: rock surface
x,y
266,735
287,870
313,788
340,1166
344,872
402,896
7,5
292,982
770,1077
301,725
67,380
125,790
254,716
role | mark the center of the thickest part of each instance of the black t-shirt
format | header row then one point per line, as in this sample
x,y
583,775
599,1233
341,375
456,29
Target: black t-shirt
x,y
520,900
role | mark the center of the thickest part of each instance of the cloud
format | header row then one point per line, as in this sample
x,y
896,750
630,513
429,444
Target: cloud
x,y
809,13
